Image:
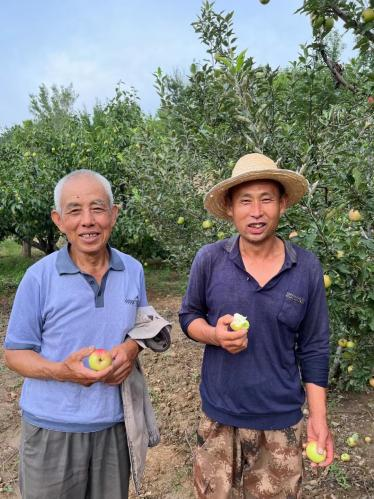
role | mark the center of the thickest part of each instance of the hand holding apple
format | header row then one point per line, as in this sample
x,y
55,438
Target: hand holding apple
x,y
73,369
313,454
100,359
240,322
232,341
123,356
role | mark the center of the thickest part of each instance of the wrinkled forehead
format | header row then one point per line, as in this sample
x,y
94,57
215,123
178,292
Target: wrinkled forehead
x,y
82,188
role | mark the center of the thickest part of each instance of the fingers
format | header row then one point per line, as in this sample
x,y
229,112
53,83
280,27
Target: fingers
x,y
83,352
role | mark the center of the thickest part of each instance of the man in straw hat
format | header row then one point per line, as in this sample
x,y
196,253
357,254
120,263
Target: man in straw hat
x,y
253,380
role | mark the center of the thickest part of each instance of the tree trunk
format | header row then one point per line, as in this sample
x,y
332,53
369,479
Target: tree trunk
x,y
26,249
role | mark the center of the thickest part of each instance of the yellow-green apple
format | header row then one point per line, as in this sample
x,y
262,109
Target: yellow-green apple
x,y
221,235
350,344
367,440
317,21
313,454
349,369
327,281
351,442
207,224
99,359
342,342
368,15
345,457
339,254
180,221
292,234
239,322
354,215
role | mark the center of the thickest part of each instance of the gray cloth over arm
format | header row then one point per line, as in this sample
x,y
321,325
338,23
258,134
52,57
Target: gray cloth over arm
x,y
151,331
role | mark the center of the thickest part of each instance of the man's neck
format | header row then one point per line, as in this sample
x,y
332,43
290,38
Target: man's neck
x,y
261,251
93,264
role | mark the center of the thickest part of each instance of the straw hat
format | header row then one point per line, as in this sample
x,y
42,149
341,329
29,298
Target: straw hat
x,y
255,167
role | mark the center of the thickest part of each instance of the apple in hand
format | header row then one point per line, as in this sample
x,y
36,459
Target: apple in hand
x,y
313,455
100,359
240,322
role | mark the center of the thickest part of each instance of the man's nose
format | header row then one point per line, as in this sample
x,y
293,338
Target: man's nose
x,y
256,209
88,217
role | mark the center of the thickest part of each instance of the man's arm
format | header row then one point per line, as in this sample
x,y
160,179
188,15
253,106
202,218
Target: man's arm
x,y
220,336
317,427
30,364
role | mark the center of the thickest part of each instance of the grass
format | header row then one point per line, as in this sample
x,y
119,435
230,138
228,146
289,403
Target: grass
x,y
13,265
159,278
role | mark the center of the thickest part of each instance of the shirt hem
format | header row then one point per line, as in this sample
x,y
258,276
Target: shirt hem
x,y
251,421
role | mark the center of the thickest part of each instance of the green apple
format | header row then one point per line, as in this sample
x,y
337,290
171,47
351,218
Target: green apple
x,y
328,23
342,342
350,344
350,369
351,442
368,15
313,455
367,440
180,221
317,21
240,322
99,359
221,235
207,224
354,215
345,457
327,281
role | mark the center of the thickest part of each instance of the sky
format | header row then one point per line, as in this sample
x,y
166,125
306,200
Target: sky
x,y
94,44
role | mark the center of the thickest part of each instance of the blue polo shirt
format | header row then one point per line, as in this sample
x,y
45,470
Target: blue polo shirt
x,y
260,387
58,310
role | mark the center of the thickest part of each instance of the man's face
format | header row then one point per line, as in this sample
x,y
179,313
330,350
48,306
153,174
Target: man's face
x,y
86,217
255,209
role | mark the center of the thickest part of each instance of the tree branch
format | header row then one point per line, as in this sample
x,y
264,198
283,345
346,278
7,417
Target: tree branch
x,y
355,25
333,67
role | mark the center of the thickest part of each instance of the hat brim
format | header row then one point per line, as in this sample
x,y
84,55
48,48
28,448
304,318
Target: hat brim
x,y
295,186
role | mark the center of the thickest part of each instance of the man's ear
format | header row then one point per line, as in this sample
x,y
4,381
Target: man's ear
x,y
283,203
57,220
115,212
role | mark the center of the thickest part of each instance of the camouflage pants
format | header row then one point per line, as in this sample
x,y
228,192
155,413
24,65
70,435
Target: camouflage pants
x,y
234,462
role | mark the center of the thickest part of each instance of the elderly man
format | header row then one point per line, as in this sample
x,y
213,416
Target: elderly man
x,y
82,297
253,381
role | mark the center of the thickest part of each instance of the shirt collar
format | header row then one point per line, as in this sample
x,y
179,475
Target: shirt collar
x,y
65,264
232,247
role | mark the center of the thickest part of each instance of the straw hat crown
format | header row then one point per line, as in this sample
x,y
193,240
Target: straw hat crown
x,y
255,167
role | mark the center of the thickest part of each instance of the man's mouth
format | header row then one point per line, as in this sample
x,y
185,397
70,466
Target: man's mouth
x,y
257,225
89,235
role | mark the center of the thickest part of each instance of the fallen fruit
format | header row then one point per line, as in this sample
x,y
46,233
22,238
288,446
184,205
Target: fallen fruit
x,y
99,359
239,322
180,221
371,382
351,442
313,455
367,440
345,457
207,224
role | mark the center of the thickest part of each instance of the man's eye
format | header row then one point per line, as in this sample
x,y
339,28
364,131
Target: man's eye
x,y
98,210
267,200
73,212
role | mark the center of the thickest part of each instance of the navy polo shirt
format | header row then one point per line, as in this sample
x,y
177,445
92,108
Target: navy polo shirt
x,y
58,310
260,387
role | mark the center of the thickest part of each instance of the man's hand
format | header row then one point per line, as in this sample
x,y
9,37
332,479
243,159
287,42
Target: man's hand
x,y
318,431
124,356
72,369
232,341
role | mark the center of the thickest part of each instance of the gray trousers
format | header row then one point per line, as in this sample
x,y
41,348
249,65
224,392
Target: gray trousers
x,y
59,465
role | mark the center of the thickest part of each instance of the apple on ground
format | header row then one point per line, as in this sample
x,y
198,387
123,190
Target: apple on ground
x,y
313,454
345,457
354,215
327,281
351,442
180,221
240,322
100,359
367,440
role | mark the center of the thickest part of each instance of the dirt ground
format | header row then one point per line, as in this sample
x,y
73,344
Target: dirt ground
x,y
173,380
